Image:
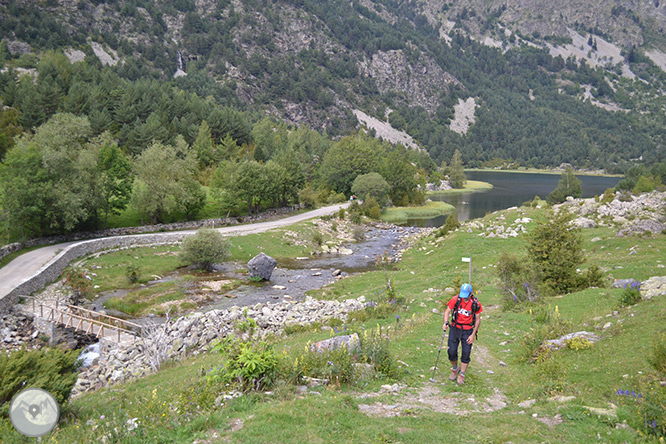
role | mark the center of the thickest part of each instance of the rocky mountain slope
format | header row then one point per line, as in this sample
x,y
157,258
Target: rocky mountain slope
x,y
406,64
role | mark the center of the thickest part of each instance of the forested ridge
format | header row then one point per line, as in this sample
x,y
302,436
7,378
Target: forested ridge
x,y
306,65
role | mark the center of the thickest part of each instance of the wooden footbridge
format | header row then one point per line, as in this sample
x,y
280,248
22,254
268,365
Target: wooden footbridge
x,y
87,321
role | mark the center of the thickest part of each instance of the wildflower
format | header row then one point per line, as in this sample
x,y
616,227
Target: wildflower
x,y
397,318
102,417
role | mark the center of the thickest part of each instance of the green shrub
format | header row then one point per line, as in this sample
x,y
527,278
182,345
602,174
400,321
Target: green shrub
x,y
205,248
593,277
608,196
520,283
630,295
625,196
132,273
548,325
578,343
334,198
338,365
249,365
308,197
371,208
358,233
355,218
50,369
76,278
550,374
317,238
555,248
375,350
342,213
451,224
645,184
334,365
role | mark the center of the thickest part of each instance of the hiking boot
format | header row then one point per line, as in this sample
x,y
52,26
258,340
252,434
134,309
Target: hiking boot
x,y
454,373
461,378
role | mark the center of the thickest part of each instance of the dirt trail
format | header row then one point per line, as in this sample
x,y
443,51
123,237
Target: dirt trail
x,y
435,396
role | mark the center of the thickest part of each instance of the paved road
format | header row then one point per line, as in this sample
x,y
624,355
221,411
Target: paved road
x,y
29,263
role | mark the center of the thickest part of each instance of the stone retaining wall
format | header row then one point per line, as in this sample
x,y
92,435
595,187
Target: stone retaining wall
x,y
125,231
195,333
52,270
10,248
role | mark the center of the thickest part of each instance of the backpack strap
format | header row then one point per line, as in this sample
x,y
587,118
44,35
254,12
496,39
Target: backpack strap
x,y
475,308
455,311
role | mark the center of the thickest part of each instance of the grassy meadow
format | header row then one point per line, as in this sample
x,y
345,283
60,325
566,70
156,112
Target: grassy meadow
x,y
470,186
500,376
430,209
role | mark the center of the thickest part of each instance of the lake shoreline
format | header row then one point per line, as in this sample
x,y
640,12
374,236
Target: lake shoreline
x,y
541,171
431,209
472,186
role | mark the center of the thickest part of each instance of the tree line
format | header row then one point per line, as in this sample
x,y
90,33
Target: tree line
x,y
64,177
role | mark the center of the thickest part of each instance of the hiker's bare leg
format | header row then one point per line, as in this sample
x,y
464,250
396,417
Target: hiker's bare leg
x,y
463,367
454,373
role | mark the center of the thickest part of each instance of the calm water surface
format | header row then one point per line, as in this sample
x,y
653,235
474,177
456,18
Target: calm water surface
x,y
510,189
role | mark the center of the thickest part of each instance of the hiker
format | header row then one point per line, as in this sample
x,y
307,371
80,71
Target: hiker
x,y
464,325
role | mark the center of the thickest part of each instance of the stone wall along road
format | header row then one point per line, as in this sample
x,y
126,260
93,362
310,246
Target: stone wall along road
x,y
34,270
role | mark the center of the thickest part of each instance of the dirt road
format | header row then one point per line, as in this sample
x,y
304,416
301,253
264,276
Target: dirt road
x,y
28,264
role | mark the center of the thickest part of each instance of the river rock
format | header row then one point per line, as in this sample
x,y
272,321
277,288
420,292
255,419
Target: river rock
x,y
262,266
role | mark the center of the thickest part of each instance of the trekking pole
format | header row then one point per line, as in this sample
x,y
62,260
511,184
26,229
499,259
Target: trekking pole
x,y
437,361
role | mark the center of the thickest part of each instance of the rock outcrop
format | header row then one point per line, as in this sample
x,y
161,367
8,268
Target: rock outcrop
x,y
631,215
655,286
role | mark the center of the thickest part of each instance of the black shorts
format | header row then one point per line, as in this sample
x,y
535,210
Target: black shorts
x,y
456,336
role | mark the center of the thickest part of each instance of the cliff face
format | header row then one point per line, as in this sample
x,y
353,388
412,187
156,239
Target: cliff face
x,y
420,83
625,22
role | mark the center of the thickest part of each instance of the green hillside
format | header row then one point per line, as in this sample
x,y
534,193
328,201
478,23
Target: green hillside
x,y
576,394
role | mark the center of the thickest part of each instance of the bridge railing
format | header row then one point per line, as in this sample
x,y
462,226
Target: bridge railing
x,y
77,317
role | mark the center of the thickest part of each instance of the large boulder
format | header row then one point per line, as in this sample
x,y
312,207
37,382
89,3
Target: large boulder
x,y
262,266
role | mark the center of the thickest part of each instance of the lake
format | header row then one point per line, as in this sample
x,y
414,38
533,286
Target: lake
x,y
509,190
